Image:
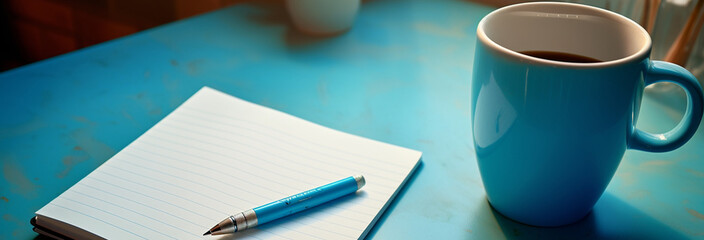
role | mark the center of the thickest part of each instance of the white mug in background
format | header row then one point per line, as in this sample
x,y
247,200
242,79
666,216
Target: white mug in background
x,y
322,17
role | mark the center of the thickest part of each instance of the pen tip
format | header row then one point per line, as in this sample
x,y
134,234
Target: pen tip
x,y
213,231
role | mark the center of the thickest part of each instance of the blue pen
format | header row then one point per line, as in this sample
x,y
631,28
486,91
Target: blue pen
x,y
287,206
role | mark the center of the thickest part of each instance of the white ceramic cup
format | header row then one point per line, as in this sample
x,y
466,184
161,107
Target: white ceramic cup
x,y
322,17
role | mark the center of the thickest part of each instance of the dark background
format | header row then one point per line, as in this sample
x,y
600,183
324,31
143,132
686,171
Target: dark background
x,y
32,30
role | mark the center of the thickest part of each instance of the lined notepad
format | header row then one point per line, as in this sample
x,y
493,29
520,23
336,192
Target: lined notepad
x,y
216,155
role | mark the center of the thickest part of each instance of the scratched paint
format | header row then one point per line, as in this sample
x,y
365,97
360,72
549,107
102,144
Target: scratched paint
x,y
323,91
22,129
439,209
84,120
19,182
91,146
657,163
69,162
425,142
695,213
148,103
170,83
128,116
638,194
5,199
194,67
19,223
695,173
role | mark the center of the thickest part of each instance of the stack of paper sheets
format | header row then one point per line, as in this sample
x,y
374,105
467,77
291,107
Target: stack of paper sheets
x,y
216,155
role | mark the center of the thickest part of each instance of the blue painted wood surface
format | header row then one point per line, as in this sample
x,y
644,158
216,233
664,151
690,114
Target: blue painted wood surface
x,y
400,75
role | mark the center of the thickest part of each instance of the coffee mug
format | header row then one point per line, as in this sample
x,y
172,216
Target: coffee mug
x,y
555,96
322,17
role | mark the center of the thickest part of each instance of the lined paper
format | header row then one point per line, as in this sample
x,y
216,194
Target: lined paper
x,y
216,155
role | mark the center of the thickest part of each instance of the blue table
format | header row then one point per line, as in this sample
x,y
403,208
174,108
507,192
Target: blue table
x,y
401,75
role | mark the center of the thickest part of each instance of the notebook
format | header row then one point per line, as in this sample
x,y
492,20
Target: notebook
x,y
216,155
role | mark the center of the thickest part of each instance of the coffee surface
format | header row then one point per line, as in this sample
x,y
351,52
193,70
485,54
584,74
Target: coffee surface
x,y
561,56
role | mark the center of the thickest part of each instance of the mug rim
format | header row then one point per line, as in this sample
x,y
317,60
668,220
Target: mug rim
x,y
638,55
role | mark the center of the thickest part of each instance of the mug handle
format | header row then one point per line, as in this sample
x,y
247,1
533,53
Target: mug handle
x,y
660,71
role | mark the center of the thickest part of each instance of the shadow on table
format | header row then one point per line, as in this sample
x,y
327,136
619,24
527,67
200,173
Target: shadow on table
x,y
401,193
611,218
42,237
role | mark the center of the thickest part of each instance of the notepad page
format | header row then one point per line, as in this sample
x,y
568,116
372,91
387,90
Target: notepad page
x,y
216,155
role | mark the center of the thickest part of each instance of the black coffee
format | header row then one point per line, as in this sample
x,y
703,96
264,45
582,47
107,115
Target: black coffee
x,y
561,56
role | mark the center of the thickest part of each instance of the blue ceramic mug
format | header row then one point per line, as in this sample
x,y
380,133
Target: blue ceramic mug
x,y
549,134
